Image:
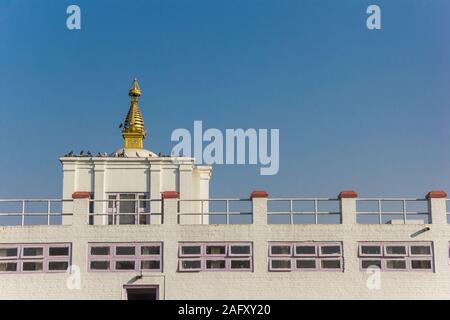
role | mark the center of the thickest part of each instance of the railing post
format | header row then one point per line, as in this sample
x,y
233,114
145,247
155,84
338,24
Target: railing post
x,y
380,213
316,218
259,207
227,211
22,216
291,210
170,207
347,201
80,209
437,207
48,212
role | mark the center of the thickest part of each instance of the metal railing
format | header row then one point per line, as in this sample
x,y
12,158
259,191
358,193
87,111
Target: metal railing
x,y
20,212
311,215
391,216
447,207
204,211
133,211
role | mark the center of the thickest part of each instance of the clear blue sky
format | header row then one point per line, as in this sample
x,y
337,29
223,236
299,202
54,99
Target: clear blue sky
x,y
357,109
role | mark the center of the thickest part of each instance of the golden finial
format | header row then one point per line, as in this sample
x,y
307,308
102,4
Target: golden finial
x,y
135,90
133,131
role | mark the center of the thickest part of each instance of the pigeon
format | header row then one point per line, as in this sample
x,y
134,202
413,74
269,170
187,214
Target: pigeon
x,y
89,154
81,152
70,153
121,125
99,154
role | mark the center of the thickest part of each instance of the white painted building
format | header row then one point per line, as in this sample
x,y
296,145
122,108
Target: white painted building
x,y
133,224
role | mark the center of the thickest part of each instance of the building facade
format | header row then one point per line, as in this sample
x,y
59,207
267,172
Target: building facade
x,y
137,225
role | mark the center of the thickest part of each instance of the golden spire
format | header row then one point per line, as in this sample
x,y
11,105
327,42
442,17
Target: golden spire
x,y
133,131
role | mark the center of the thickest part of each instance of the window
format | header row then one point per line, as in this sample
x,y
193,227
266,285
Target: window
x,y
332,264
280,264
420,250
125,257
125,265
280,250
396,256
212,256
150,250
8,266
99,265
58,251
128,208
8,253
326,250
150,265
215,264
190,265
307,250
308,264
32,266
366,263
421,264
396,264
240,250
141,292
395,250
58,265
34,258
305,256
33,252
191,250
240,264
125,251
370,250
212,250
99,251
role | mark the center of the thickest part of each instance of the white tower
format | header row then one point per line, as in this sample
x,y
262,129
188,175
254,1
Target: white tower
x,y
135,174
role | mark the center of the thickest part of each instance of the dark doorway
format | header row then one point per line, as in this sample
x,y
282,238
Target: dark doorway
x,y
141,292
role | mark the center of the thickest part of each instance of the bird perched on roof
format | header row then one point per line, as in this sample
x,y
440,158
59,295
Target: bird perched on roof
x,y
89,154
70,153
99,154
81,152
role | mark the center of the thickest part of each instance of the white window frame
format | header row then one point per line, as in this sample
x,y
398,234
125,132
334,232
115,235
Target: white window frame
x,y
114,213
280,244
280,258
315,254
408,257
318,256
203,257
379,245
305,258
240,254
320,246
386,254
